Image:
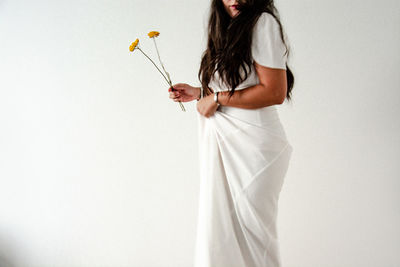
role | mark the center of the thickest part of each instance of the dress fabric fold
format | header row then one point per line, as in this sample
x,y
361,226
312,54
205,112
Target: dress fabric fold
x,y
244,156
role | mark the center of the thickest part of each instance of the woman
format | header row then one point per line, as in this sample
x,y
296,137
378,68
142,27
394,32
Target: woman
x,y
243,150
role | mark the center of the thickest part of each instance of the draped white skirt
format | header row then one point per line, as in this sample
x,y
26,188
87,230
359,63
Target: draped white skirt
x,y
244,156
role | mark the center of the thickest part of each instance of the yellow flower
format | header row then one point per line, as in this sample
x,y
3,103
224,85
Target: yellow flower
x,y
133,45
153,33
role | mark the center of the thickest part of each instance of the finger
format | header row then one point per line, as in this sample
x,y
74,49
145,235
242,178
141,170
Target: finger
x,y
174,89
174,94
178,86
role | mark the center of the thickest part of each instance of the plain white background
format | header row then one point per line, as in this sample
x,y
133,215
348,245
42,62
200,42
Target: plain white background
x,y
98,167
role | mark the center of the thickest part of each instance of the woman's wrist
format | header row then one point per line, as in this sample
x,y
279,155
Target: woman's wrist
x,y
199,93
223,98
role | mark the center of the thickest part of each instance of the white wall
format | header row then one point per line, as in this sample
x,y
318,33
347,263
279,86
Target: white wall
x,y
98,167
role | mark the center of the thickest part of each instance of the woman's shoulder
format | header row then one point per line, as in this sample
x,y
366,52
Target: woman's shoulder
x,y
266,20
266,15
268,48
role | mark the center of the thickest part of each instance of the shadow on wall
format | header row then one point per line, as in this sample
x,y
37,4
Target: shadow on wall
x,y
6,252
4,262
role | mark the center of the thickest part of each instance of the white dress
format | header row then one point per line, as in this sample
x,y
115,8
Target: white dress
x,y
244,156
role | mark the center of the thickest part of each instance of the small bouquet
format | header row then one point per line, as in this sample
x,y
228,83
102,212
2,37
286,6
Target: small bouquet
x,y
135,45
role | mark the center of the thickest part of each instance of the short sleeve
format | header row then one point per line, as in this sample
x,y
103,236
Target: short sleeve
x,y
267,46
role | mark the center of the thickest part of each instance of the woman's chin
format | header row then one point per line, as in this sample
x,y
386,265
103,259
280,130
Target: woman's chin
x,y
234,14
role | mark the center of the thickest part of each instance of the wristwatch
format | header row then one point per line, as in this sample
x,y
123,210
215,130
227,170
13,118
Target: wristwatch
x,y
216,98
201,93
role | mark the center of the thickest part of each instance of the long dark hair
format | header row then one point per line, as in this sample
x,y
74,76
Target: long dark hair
x,y
229,44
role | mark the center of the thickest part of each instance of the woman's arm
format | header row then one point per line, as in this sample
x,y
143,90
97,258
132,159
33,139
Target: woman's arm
x,y
270,91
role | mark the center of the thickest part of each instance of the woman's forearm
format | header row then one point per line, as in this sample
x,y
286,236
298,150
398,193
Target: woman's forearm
x,y
257,96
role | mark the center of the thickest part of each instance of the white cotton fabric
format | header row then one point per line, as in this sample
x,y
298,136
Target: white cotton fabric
x,y
244,156
268,48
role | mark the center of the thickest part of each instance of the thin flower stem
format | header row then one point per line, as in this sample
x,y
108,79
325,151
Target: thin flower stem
x,y
159,58
168,81
182,106
155,66
166,73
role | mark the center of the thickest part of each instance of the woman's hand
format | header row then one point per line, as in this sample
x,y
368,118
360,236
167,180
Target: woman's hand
x,y
207,106
183,92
